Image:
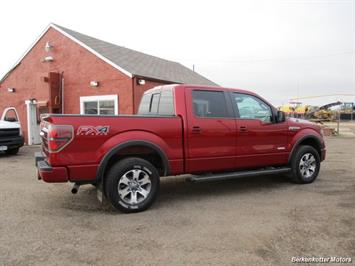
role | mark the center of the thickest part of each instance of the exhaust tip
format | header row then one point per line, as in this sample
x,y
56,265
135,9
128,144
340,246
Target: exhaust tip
x,y
75,189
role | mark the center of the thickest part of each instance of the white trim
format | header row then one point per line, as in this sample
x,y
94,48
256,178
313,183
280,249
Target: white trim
x,y
51,25
92,50
29,131
94,98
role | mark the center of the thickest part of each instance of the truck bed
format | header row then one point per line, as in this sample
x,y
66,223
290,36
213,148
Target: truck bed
x,y
89,145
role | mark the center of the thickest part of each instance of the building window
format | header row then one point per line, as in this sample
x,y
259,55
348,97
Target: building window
x,y
99,105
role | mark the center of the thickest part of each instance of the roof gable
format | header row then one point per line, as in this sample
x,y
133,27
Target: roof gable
x,y
138,63
128,61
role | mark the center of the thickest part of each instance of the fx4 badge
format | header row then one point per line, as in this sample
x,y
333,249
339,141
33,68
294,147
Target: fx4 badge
x,y
92,130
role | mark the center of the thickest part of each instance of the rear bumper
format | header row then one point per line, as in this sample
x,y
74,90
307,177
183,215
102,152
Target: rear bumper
x,y
48,173
12,142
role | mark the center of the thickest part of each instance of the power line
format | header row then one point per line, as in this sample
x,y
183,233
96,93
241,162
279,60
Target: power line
x,y
281,59
320,96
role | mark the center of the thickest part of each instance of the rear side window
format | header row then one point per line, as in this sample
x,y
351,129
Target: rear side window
x,y
154,103
209,103
166,104
145,104
157,103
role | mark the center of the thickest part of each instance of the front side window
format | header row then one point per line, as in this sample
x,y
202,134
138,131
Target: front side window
x,y
251,107
209,103
99,105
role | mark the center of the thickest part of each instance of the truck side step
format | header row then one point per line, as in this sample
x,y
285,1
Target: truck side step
x,y
239,174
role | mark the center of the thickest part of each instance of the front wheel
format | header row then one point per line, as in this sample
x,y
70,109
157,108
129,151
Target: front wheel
x,y
305,165
132,185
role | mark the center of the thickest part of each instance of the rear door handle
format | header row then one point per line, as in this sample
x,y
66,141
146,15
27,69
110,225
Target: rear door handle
x,y
196,129
243,128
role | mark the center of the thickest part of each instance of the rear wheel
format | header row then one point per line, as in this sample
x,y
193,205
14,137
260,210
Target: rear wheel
x,y
12,151
132,185
305,165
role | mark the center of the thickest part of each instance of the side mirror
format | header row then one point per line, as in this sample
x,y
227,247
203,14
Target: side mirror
x,y
281,117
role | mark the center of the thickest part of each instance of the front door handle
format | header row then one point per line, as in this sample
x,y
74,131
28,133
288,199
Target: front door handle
x,y
196,130
243,128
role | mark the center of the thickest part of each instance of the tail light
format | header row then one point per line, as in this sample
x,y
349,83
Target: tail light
x,y
59,136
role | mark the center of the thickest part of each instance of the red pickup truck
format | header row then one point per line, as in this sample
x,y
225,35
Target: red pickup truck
x,y
212,133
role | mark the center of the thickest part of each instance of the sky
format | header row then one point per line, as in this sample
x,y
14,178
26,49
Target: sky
x,y
279,49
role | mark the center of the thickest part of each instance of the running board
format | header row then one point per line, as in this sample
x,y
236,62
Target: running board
x,y
234,175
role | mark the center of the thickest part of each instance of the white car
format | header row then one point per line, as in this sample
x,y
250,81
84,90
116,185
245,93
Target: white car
x,y
11,139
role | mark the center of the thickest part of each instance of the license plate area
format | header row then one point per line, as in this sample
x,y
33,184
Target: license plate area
x,y
3,148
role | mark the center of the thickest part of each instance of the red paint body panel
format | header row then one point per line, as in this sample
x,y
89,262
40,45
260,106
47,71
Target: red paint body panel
x,y
56,175
261,143
219,144
213,148
82,172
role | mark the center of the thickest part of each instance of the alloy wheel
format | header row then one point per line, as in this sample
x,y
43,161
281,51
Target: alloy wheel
x,y
134,186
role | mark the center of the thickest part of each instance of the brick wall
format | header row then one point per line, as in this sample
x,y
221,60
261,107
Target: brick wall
x,y
79,67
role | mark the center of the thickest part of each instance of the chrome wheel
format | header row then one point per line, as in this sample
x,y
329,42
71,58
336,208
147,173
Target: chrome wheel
x,y
307,165
134,186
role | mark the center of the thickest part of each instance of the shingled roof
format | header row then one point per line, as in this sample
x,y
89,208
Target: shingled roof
x,y
131,62
140,64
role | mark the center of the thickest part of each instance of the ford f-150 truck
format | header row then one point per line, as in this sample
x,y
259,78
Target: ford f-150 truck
x,y
211,133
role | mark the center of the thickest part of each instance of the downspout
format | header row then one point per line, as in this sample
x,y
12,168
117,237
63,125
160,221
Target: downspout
x,y
62,89
29,132
133,88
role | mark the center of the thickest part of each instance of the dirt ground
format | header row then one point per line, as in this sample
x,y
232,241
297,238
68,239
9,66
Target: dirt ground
x,y
255,221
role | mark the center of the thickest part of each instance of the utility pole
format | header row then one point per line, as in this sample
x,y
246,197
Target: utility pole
x,y
338,122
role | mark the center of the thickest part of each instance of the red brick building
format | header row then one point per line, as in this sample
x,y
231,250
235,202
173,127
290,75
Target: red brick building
x,y
68,72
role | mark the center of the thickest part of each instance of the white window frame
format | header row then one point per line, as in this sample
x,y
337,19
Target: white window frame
x,y
98,98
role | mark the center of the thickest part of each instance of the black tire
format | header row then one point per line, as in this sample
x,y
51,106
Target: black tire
x,y
12,151
301,172
128,176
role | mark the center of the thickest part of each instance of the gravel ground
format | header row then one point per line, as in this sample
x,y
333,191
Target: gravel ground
x,y
256,221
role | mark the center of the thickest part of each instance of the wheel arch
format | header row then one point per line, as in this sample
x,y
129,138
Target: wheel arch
x,y
152,153
309,140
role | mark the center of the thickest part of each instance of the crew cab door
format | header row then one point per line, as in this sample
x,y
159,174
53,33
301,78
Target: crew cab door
x,y
261,141
210,131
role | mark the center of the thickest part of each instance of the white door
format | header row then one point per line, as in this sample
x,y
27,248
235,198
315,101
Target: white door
x,y
32,124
